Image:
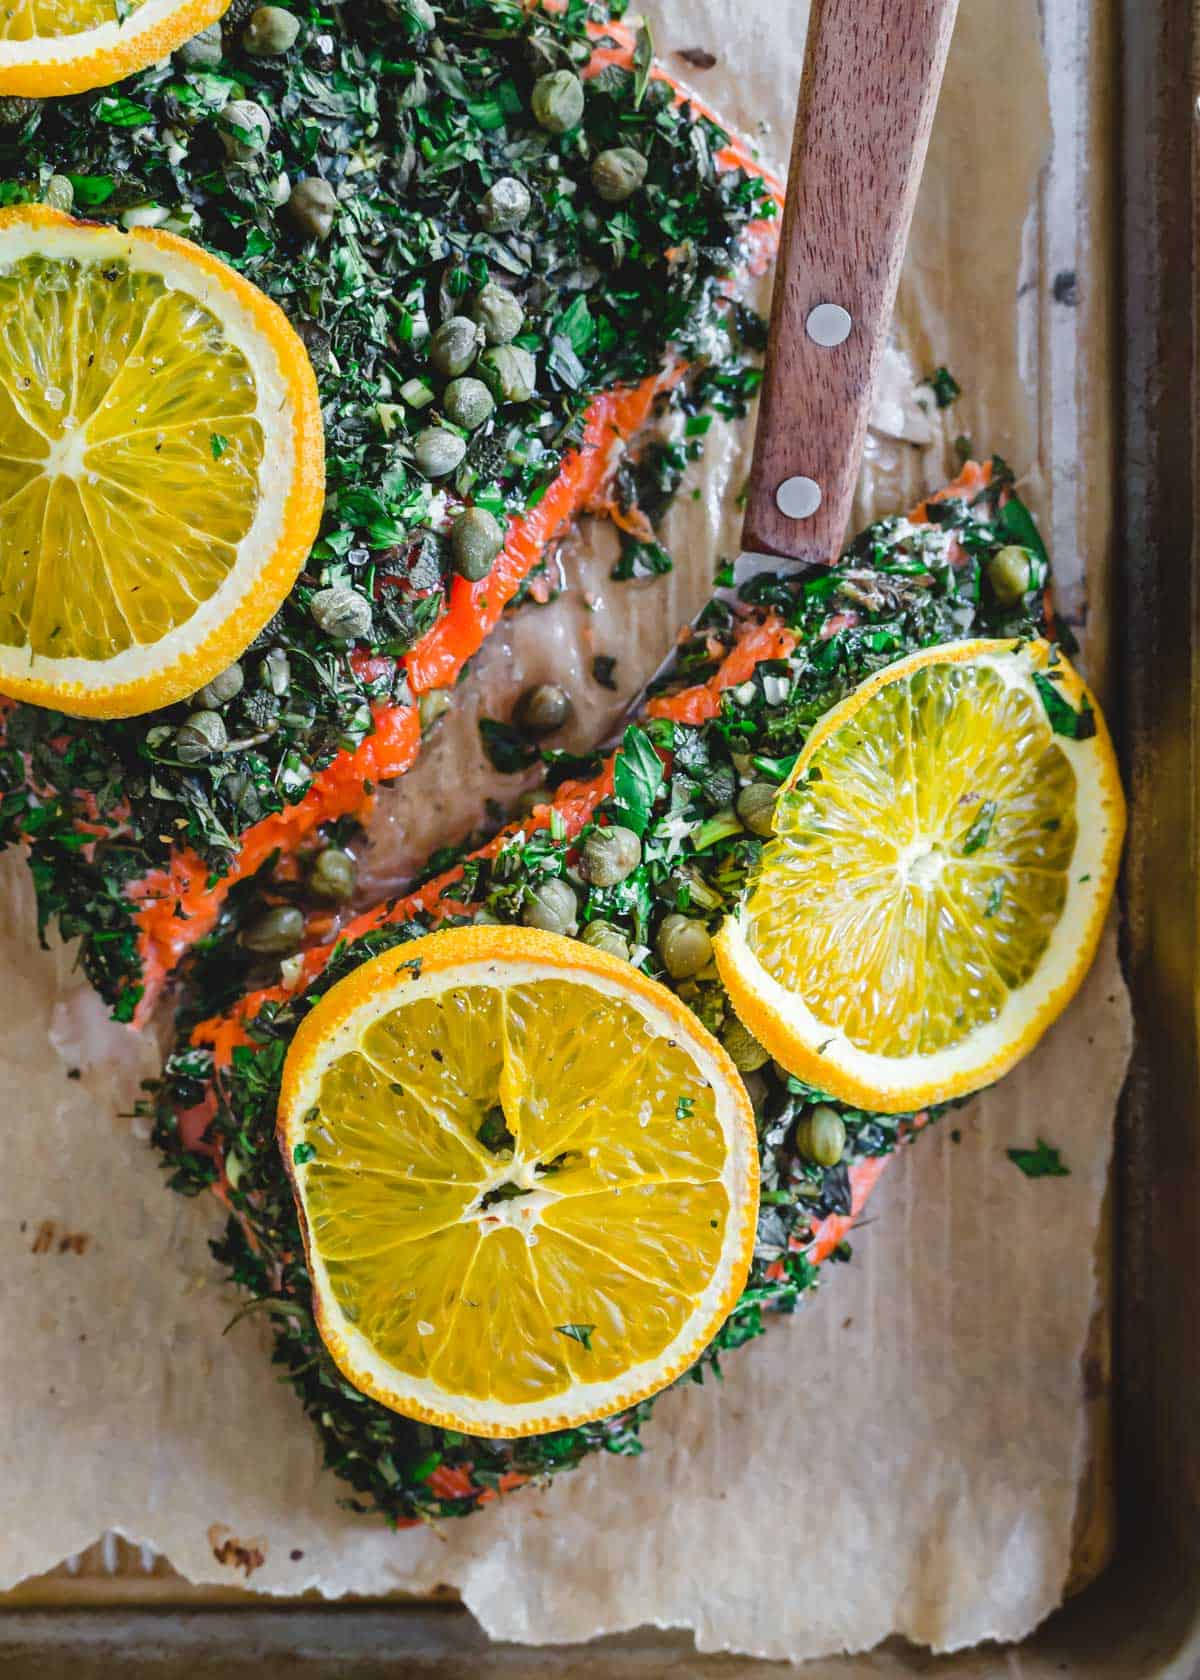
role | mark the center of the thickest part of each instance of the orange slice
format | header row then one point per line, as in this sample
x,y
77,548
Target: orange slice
x,y
945,851
49,48
527,1179
161,464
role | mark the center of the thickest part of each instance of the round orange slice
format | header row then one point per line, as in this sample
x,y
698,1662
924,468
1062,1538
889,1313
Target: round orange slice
x,y
527,1179
49,48
161,464
945,852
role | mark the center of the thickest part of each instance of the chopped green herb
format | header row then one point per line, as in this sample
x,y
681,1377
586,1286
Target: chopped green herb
x,y
1042,1162
944,386
978,834
581,1333
1064,719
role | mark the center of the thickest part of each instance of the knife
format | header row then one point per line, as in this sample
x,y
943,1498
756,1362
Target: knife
x,y
872,73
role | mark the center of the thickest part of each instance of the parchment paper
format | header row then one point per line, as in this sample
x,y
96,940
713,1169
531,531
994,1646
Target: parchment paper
x,y
902,1456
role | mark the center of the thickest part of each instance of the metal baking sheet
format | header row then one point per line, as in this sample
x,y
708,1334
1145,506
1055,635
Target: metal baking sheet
x,y
1109,290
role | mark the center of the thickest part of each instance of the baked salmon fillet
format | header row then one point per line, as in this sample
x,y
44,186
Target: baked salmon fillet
x,y
509,242
694,779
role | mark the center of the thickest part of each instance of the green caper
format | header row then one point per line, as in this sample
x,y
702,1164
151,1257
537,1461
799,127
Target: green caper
x,y
756,807
200,736
468,403
821,1136
528,802
14,110
617,174
311,207
438,452
271,32
276,671
203,50
499,313
59,193
333,876
505,205
610,855
542,709
276,933
551,908
684,946
509,371
222,688
745,1052
432,705
558,101
341,612
476,538
1009,573
455,345
245,129
604,936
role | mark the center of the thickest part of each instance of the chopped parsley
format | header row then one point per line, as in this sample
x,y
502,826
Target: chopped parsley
x,y
1042,1162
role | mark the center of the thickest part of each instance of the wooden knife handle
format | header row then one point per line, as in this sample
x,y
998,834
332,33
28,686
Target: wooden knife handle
x,y
872,72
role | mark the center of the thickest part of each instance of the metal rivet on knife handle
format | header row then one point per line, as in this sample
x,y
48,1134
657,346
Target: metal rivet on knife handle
x,y
798,498
828,325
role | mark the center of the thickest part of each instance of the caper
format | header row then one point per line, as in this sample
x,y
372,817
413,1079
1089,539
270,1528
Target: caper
x,y
745,1052
821,1136
271,32
684,946
333,876
59,193
528,802
200,736
557,101
543,709
510,372
14,110
499,313
551,908
618,173
276,933
476,538
505,205
438,452
455,345
422,14
1010,574
245,129
225,686
276,671
311,207
610,855
341,612
603,936
756,807
203,50
468,403
432,705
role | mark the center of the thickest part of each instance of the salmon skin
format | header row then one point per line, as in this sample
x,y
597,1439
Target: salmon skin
x,y
143,858
747,688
